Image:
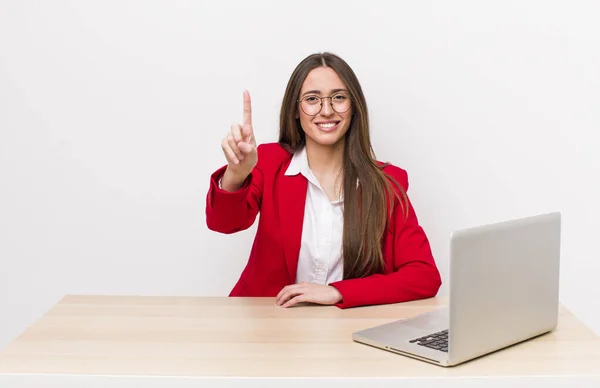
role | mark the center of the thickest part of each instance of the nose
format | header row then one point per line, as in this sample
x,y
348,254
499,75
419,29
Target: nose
x,y
326,109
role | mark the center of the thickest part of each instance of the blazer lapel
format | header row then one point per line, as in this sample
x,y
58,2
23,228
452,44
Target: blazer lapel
x,y
292,199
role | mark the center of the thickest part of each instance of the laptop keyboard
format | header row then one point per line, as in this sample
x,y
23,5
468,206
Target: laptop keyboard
x,y
437,341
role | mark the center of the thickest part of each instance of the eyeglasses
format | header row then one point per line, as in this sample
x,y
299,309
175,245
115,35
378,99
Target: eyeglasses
x,y
312,104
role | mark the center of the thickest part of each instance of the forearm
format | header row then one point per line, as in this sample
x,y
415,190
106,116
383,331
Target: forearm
x,y
230,212
416,280
232,181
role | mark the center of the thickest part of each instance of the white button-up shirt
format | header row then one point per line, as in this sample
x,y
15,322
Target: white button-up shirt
x,y
320,260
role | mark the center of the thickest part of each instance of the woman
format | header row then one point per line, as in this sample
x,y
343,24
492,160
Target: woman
x,y
336,226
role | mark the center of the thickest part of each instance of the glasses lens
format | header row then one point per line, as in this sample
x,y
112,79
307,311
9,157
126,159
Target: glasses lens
x,y
340,102
311,105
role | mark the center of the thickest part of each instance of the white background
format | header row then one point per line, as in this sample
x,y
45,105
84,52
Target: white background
x,y
111,116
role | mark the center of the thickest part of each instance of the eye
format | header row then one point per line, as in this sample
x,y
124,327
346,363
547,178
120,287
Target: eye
x,y
340,97
312,99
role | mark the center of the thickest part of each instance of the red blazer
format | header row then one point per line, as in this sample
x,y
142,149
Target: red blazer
x,y
410,274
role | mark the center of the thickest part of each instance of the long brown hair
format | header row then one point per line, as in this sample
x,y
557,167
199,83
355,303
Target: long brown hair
x,y
366,206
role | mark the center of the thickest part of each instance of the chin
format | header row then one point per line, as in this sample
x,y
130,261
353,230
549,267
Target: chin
x,y
329,139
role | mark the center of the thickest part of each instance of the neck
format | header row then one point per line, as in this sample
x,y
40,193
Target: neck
x,y
325,160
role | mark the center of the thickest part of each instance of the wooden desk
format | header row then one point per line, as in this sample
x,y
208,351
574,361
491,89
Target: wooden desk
x,y
114,341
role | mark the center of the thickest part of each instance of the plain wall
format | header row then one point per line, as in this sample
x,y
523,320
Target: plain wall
x,y
112,113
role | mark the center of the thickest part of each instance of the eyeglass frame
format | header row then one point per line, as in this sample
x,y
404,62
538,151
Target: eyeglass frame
x,y
346,94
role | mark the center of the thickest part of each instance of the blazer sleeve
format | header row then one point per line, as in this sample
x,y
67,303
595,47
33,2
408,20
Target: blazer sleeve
x,y
415,274
230,212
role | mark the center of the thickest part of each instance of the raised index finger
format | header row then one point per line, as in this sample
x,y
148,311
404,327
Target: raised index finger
x,y
247,109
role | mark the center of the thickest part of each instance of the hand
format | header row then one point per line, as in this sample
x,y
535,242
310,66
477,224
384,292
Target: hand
x,y
239,146
308,292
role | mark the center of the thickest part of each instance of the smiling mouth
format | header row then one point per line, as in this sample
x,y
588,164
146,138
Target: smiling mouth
x,y
328,125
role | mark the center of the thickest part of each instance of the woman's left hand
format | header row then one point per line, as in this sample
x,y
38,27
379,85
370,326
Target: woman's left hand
x,y
308,293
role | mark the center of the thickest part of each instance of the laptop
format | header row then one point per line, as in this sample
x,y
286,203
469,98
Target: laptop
x,y
503,290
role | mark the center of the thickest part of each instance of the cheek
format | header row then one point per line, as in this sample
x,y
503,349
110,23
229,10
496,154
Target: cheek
x,y
348,119
348,115
304,121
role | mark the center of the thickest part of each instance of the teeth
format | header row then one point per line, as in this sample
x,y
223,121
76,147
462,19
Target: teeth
x,y
328,125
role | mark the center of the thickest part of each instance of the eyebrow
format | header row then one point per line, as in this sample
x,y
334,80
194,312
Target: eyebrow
x,y
319,92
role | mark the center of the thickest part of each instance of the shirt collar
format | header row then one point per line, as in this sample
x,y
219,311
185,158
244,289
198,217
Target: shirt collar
x,y
299,164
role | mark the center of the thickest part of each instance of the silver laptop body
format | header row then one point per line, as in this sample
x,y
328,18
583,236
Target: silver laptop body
x,y
504,281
